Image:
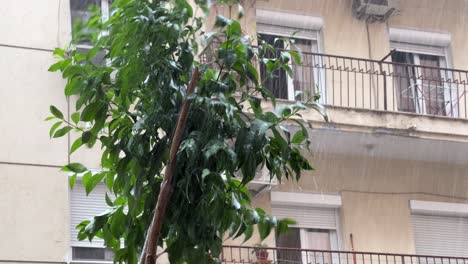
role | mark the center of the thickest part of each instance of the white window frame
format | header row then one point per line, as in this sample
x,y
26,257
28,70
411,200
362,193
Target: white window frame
x,y
314,200
300,27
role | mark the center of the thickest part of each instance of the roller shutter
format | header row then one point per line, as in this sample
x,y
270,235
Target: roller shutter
x,y
441,235
307,217
85,207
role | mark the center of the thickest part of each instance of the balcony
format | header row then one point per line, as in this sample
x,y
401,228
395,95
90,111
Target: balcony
x,y
382,85
244,255
348,82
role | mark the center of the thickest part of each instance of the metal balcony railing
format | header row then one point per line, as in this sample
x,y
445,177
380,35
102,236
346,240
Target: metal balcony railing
x,y
372,85
388,86
244,255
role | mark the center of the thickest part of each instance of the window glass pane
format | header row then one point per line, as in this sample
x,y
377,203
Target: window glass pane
x,y
291,239
80,14
80,9
404,81
303,72
88,253
319,240
432,87
278,83
302,86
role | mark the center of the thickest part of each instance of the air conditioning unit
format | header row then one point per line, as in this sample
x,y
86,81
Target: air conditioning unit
x,y
375,10
262,180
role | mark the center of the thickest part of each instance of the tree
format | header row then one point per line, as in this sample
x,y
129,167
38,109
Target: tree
x,y
181,137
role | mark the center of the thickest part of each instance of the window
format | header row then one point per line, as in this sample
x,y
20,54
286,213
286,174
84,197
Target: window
x,y
319,239
303,32
90,254
422,85
440,229
81,11
316,227
281,84
83,207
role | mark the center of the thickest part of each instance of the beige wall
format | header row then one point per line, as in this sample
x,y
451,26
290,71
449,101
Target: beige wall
x,y
376,192
34,205
34,213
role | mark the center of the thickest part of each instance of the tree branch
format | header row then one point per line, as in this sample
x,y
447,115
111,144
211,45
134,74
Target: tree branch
x,y
154,231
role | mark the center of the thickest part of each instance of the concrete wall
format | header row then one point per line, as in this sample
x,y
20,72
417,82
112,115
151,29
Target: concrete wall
x,y
34,218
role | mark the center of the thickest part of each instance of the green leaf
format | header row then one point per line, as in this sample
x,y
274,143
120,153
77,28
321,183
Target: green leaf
x,y
248,232
110,181
222,21
86,137
71,180
264,228
62,132
108,200
55,67
296,56
75,117
234,29
90,111
54,127
75,167
94,181
73,87
72,70
86,181
59,53
299,136
56,112
76,144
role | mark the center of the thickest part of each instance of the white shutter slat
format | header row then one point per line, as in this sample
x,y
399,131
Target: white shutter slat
x,y
307,217
440,235
85,207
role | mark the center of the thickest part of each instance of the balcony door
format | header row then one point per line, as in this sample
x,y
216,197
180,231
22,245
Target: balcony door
x,y
421,84
306,246
305,80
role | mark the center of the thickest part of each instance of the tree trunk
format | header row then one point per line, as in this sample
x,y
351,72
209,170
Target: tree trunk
x,y
151,243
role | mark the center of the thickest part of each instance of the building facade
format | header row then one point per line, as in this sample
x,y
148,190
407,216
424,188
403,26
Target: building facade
x,y
391,165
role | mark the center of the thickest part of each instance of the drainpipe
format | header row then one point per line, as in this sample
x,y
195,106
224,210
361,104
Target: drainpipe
x,y
352,247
